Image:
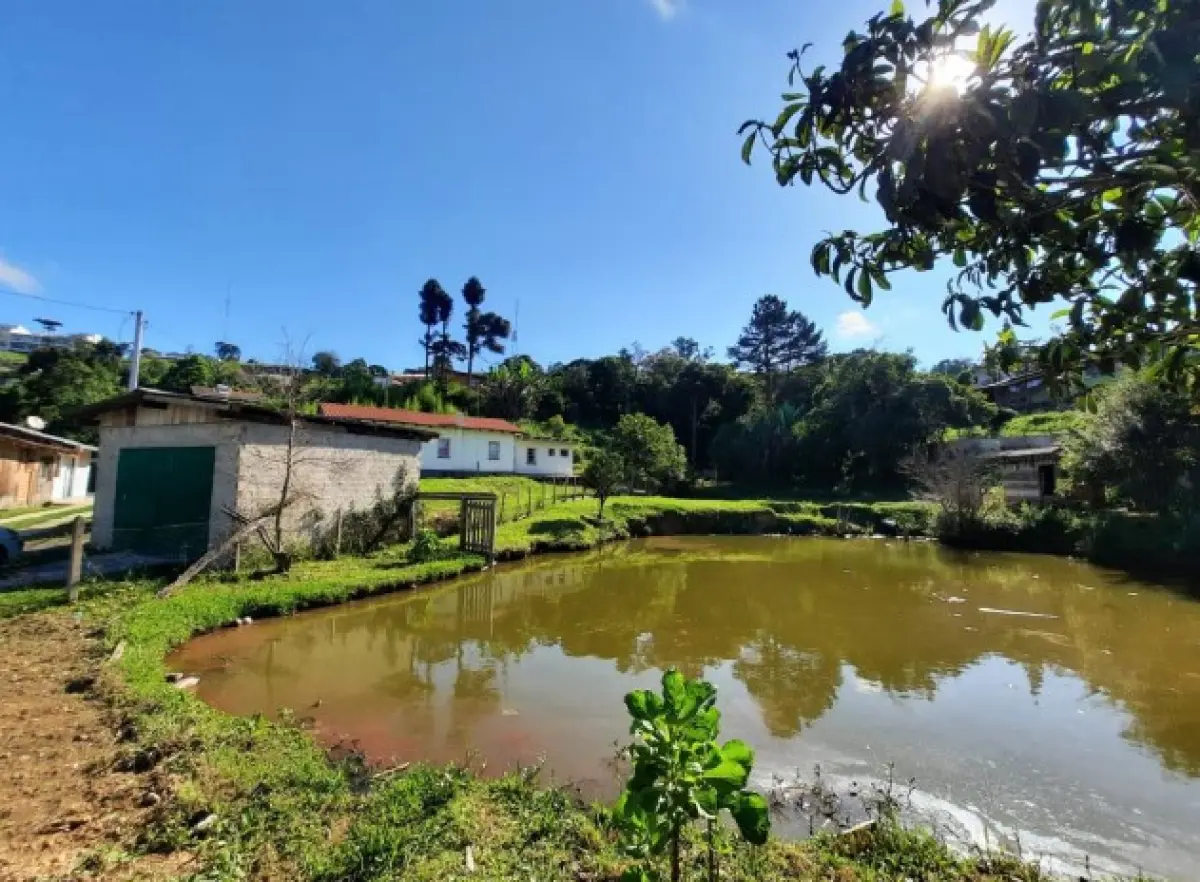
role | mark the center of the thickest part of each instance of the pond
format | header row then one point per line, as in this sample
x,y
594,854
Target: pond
x,y
1032,699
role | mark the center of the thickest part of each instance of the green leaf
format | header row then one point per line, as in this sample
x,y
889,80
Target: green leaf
x,y
738,751
864,287
727,776
643,704
752,816
960,257
784,117
638,874
897,8
748,146
680,702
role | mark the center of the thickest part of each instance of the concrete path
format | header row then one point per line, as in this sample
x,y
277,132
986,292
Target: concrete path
x,y
109,564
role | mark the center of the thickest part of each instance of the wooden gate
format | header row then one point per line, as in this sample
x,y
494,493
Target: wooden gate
x,y
477,526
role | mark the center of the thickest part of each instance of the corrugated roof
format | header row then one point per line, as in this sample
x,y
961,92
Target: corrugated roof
x,y
416,418
33,436
1024,452
251,411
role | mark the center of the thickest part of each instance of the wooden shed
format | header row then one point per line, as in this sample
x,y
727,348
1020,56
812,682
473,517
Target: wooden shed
x,y
38,468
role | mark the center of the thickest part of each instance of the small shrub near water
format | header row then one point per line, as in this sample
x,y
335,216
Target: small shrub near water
x,y
425,547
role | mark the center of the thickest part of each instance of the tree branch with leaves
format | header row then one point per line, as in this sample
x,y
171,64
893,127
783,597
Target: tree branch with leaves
x,y
1064,169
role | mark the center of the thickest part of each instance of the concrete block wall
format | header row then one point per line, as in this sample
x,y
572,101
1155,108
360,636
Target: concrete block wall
x,y
332,469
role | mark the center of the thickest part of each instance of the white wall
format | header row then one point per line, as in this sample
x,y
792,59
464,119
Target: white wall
x,y
556,466
469,452
78,484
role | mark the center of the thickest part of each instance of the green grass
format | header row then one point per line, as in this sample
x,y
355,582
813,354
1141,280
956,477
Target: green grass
x,y
39,516
16,601
1058,422
516,493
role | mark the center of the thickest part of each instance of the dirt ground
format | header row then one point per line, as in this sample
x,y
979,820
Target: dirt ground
x,y
65,810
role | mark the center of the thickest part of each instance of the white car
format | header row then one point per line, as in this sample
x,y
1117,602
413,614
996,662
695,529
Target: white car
x,y
11,545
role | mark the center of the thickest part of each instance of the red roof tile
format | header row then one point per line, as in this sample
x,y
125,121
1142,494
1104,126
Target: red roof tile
x,y
416,418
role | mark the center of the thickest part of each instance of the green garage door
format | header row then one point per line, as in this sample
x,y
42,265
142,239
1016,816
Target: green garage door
x,y
164,495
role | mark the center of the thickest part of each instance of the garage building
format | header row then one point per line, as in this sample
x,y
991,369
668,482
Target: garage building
x,y
172,466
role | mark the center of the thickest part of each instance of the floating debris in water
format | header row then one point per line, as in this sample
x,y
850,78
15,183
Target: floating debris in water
x,y
1016,612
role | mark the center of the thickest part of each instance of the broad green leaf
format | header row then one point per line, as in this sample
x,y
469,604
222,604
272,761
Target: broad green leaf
x,y
753,817
639,874
679,703
897,7
738,751
727,776
643,704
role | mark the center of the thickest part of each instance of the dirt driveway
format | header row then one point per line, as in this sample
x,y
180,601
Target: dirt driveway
x,y
65,812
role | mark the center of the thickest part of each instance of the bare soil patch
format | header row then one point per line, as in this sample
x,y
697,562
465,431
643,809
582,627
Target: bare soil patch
x,y
66,812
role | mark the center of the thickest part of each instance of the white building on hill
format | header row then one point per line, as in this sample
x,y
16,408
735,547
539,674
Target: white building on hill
x,y
471,445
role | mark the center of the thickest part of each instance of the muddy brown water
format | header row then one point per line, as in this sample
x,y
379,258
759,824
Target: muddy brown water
x,y
1035,700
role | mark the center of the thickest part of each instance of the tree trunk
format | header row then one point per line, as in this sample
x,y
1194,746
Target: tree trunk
x,y
675,856
287,486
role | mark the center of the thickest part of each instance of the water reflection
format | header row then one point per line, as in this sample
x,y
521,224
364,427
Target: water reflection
x,y
880,650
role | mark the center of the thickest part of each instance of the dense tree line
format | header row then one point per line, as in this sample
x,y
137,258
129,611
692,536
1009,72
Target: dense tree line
x,y
784,413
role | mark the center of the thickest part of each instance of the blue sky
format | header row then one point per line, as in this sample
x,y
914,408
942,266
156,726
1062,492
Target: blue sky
x,y
318,161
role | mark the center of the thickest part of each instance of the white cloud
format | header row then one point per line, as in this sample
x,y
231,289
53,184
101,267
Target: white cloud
x,y
853,323
19,280
667,9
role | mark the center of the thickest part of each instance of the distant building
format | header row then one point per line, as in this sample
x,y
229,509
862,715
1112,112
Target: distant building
x,y
18,338
471,445
416,375
37,468
1026,465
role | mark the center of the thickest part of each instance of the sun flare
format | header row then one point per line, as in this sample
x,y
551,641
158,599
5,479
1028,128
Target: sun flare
x,y
951,71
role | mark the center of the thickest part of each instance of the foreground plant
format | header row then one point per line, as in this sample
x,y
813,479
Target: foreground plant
x,y
681,775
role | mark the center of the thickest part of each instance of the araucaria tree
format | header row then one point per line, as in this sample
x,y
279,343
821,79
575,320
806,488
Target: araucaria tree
x,y
484,330
1062,167
433,299
445,349
776,340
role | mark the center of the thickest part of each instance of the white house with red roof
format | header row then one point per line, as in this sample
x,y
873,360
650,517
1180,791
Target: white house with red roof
x,y
471,445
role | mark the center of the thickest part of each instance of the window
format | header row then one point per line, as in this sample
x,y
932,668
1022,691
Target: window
x,y
552,451
566,453
443,448
530,456
46,470
494,451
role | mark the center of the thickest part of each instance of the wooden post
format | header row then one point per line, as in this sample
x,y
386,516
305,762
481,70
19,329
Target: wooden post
x,y
529,508
75,567
462,525
543,495
337,535
500,516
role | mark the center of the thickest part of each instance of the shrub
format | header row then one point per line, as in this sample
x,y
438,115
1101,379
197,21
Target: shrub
x,y
426,547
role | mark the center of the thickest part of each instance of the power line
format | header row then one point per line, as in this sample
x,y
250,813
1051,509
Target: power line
x,y
42,299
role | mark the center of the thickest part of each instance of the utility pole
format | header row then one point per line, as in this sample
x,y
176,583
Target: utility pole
x,y
135,360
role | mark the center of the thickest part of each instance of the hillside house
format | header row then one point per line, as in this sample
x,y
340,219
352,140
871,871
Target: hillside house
x,y
471,445
1027,466
37,468
173,466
